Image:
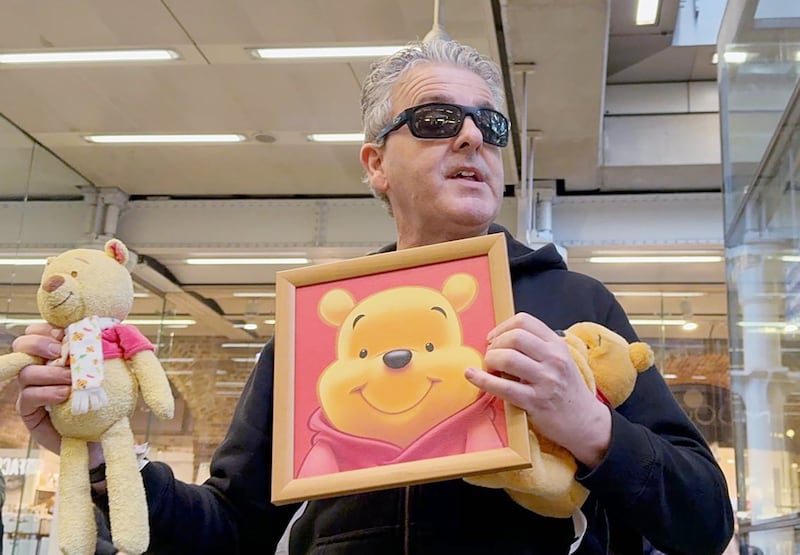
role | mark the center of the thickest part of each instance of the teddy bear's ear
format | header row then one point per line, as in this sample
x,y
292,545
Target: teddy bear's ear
x,y
335,305
641,356
117,250
460,290
49,260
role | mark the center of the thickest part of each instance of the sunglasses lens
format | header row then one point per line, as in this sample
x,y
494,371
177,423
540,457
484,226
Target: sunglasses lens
x,y
438,121
493,126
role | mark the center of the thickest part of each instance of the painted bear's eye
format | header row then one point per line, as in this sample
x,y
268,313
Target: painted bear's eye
x,y
362,353
429,347
73,273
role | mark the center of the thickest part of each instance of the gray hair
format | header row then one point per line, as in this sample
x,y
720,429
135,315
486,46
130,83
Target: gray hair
x,y
376,93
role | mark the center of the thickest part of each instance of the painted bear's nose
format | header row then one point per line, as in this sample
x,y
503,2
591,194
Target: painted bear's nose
x,y
53,283
397,359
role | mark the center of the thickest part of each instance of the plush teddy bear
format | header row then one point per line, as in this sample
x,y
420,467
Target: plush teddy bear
x,y
396,390
609,366
88,293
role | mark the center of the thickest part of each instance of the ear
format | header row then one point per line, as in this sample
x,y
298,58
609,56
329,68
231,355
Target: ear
x,y
641,356
460,290
372,162
335,305
117,250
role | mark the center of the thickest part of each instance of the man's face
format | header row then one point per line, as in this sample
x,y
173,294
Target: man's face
x,y
439,189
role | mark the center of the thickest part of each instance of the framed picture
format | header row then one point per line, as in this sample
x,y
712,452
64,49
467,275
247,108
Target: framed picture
x,y
370,356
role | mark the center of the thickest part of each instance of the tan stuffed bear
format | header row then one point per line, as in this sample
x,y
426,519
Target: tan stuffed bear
x,y
609,365
396,390
88,292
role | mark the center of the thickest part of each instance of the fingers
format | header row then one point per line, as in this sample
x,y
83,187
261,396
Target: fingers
x,y
526,322
45,329
40,386
512,391
44,346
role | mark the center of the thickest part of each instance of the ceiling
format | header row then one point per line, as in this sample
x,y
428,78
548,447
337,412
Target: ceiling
x,y
558,57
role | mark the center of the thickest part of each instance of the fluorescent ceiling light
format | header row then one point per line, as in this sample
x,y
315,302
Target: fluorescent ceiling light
x,y
160,321
658,293
23,261
647,12
244,261
230,384
653,259
731,57
151,138
270,322
242,345
250,327
670,376
88,56
244,359
656,322
324,52
336,137
689,326
790,258
253,295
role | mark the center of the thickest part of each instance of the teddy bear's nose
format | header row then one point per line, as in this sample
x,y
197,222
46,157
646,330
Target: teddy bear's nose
x,y
397,359
53,283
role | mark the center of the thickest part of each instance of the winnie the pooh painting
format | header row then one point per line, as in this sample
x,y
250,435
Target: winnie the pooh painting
x,y
396,390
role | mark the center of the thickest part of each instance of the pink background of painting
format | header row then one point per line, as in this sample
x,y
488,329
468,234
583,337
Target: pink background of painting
x,y
315,341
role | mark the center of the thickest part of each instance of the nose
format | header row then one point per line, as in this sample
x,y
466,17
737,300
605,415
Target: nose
x,y
53,283
470,137
397,359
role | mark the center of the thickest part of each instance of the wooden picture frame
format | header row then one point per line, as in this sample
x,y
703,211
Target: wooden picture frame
x,y
357,444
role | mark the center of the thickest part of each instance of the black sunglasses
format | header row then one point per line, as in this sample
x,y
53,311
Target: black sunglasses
x,y
438,120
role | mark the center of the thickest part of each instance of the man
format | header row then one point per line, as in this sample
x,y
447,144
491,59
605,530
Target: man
x,y
434,133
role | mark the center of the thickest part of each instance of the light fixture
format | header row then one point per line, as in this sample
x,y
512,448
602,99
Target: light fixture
x,y
790,258
324,52
229,384
23,261
244,359
658,293
670,376
656,322
270,322
647,12
688,314
730,57
242,345
253,294
244,261
168,138
790,433
667,259
336,137
88,56
248,326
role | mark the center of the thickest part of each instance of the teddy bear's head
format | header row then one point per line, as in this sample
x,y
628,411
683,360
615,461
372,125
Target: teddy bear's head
x,y
400,361
614,362
86,282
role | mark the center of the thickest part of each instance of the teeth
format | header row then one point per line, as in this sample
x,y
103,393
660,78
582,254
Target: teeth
x,y
465,174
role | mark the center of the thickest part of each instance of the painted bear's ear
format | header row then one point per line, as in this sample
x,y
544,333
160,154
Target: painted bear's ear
x,y
335,305
117,250
460,290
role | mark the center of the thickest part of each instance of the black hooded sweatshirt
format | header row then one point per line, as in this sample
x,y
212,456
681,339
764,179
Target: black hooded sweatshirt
x,y
658,480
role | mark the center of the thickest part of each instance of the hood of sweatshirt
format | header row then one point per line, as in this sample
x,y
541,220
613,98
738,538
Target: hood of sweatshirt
x,y
519,256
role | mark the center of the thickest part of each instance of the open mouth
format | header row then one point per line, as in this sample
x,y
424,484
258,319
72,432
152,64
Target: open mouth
x,y
360,391
469,175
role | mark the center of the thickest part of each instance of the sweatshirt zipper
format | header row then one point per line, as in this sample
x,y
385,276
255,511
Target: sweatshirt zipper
x,y
407,521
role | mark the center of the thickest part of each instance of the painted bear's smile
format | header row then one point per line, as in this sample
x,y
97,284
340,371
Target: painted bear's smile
x,y
360,390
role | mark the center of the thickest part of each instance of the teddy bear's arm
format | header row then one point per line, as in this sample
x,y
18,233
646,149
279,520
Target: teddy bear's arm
x,y
12,363
153,383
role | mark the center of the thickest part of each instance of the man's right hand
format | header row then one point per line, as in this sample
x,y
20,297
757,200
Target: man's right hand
x,y
41,385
